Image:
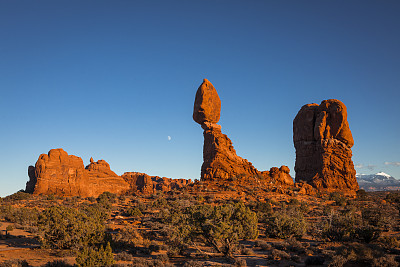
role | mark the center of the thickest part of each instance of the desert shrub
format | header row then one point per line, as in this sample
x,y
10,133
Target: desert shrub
x,y
123,256
20,195
385,261
356,254
338,261
200,198
219,226
106,199
239,262
127,237
247,251
393,197
23,216
277,254
9,228
389,242
58,263
285,224
339,199
90,256
91,199
361,194
338,226
162,258
133,212
14,263
367,233
262,207
294,245
65,228
160,203
263,245
193,264
378,216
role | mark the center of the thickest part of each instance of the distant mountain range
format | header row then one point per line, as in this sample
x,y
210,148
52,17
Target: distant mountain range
x,y
378,182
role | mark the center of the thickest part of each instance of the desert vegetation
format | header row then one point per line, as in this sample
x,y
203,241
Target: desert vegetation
x,y
204,224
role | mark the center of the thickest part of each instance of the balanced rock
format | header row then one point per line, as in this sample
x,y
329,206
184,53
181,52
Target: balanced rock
x,y
207,105
220,161
323,142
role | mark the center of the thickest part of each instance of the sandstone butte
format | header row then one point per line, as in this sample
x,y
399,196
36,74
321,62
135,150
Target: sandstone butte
x,y
220,161
65,175
323,142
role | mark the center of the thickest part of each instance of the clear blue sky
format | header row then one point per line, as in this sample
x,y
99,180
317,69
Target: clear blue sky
x,y
113,79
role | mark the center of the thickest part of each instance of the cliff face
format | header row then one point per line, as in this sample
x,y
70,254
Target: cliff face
x,y
323,142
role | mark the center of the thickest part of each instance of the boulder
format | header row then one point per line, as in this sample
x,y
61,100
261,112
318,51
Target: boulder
x,y
323,142
281,176
207,105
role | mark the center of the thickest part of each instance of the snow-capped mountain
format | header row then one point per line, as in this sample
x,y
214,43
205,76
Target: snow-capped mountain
x,y
377,182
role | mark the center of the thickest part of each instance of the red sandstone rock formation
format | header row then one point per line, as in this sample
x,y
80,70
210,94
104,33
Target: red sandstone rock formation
x,y
143,183
281,176
220,159
323,142
62,174
207,105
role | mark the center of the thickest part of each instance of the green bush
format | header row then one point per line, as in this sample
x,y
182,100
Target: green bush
x,y
361,194
106,199
23,216
338,226
89,257
379,216
20,195
285,224
14,263
339,199
134,212
367,233
218,226
65,228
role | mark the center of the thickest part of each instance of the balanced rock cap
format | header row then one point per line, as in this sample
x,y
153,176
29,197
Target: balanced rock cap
x,y
207,105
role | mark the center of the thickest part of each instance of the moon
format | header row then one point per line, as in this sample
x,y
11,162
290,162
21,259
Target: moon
x,y
169,138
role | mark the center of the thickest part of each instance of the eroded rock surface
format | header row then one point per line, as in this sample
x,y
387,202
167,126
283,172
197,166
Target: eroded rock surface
x,y
65,175
220,158
323,142
143,183
207,105
220,161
